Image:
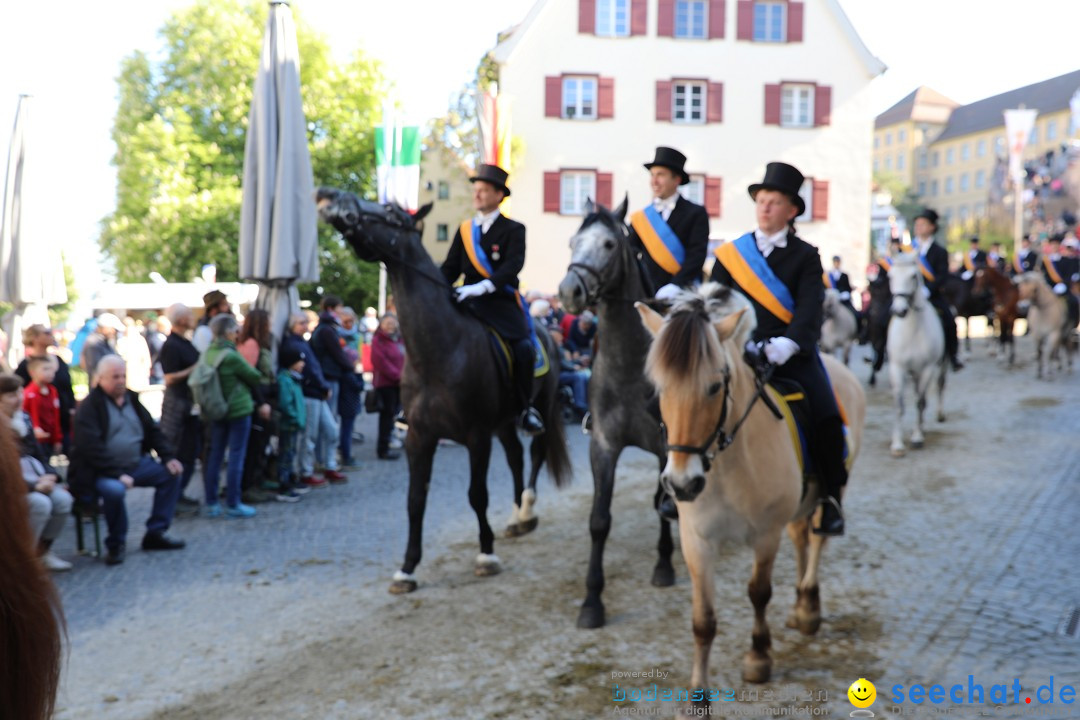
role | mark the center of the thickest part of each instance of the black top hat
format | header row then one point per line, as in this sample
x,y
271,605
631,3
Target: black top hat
x,y
974,240
928,214
782,178
493,174
671,159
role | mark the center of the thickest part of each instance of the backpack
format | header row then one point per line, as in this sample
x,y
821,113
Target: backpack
x,y
205,385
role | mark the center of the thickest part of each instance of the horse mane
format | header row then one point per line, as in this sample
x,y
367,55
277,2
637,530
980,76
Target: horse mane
x,y
31,619
687,350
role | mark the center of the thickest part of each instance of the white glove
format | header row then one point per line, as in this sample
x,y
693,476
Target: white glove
x,y
967,275
845,296
780,349
926,292
1060,289
668,291
470,291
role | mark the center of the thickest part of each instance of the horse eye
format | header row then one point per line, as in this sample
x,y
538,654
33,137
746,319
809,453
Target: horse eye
x,y
714,389
609,244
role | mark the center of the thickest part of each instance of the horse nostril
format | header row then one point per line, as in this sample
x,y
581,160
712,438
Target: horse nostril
x,y
697,484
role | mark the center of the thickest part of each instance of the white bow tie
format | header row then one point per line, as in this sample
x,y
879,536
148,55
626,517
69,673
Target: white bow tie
x,y
668,204
766,243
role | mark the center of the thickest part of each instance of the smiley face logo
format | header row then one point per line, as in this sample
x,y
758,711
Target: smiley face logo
x,y
862,693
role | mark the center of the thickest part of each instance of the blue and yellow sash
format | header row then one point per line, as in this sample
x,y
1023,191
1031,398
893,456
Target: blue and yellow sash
x,y
470,238
659,239
969,264
827,278
1017,265
885,263
748,268
1051,270
924,266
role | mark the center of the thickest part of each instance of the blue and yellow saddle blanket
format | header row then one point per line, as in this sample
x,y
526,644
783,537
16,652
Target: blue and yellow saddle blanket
x,y
470,237
793,406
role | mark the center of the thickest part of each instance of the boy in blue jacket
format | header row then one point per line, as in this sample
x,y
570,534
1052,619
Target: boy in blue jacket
x,y
293,419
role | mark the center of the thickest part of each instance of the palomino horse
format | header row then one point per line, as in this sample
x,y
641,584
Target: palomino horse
x,y
448,386
1048,319
732,466
31,619
916,348
1005,296
604,272
839,327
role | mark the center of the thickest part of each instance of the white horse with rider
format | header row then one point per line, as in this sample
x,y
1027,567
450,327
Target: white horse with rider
x,y
839,328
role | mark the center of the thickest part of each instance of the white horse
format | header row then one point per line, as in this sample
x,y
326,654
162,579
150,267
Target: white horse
x,y
1048,319
915,346
839,328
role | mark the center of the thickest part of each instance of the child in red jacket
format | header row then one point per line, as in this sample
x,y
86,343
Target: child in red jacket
x,y
42,403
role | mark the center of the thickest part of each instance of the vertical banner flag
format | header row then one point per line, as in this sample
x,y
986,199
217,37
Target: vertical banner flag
x,y
1018,124
493,119
397,163
1074,105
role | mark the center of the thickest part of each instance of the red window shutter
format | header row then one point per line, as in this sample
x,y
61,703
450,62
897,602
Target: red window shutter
x,y
715,100
552,186
665,18
794,21
716,18
820,210
603,189
663,101
639,15
745,20
713,191
772,104
822,105
605,98
586,17
553,97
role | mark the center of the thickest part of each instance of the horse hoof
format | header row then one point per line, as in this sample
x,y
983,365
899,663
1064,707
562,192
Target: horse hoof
x,y
897,452
591,617
527,526
918,444
756,669
808,625
941,417
487,565
402,587
663,576
513,531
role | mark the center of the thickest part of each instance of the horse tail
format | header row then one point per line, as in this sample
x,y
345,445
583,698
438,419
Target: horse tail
x,y
31,619
556,454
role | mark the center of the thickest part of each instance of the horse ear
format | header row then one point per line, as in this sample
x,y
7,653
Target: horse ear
x,y
620,212
589,206
422,212
651,319
726,328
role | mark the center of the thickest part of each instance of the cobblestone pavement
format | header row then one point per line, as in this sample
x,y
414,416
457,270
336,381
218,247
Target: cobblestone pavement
x,y
961,559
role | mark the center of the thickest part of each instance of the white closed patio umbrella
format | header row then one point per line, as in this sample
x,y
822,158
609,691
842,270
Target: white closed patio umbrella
x,y
278,223
31,270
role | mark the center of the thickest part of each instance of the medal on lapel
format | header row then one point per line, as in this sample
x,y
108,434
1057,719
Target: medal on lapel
x,y
495,252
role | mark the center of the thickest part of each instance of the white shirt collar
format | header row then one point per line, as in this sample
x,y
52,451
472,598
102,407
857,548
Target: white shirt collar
x,y
766,243
485,221
664,206
924,245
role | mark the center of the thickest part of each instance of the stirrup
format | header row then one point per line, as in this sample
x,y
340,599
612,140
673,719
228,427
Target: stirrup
x,y
837,527
530,422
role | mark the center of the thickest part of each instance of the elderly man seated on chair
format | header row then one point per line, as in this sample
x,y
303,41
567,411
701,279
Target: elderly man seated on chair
x,y
113,438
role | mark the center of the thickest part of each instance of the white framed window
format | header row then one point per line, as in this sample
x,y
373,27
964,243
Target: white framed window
x,y
999,146
934,158
964,180
1033,139
444,190
797,108
962,213
806,192
1051,130
888,162
965,152
613,18
980,148
694,191
922,187
691,19
980,179
688,102
901,137
442,233
888,139
875,164
877,141
922,159
948,185
770,21
933,188
901,161
949,156
579,98
574,188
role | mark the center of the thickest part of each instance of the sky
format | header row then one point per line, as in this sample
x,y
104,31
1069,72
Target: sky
x,y
67,54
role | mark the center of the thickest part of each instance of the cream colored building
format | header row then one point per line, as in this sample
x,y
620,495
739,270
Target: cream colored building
x,y
958,167
912,123
596,85
444,181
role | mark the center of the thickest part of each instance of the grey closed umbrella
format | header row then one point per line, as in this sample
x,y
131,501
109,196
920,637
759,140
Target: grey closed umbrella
x,y
278,230
31,271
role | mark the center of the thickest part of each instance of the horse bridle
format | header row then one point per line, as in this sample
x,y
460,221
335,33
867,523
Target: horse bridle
x,y
394,221
719,436
592,298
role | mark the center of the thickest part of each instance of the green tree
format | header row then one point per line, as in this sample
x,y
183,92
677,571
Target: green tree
x,y
180,130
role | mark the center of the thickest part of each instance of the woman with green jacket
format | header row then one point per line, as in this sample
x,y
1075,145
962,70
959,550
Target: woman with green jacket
x,y
239,386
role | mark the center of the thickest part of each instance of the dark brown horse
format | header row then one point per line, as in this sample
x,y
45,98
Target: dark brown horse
x,y
449,386
31,621
1006,296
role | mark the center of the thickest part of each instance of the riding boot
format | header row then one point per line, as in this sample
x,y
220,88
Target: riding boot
x,y
524,361
666,507
832,475
952,342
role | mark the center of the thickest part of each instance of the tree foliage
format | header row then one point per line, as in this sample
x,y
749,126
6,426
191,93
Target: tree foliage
x,y
180,130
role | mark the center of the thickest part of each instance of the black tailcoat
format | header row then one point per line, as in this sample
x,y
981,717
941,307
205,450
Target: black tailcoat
x,y
690,223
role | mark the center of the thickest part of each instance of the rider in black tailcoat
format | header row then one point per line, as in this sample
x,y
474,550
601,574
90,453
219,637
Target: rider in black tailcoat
x,y
791,346
996,258
936,259
493,299
1026,259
